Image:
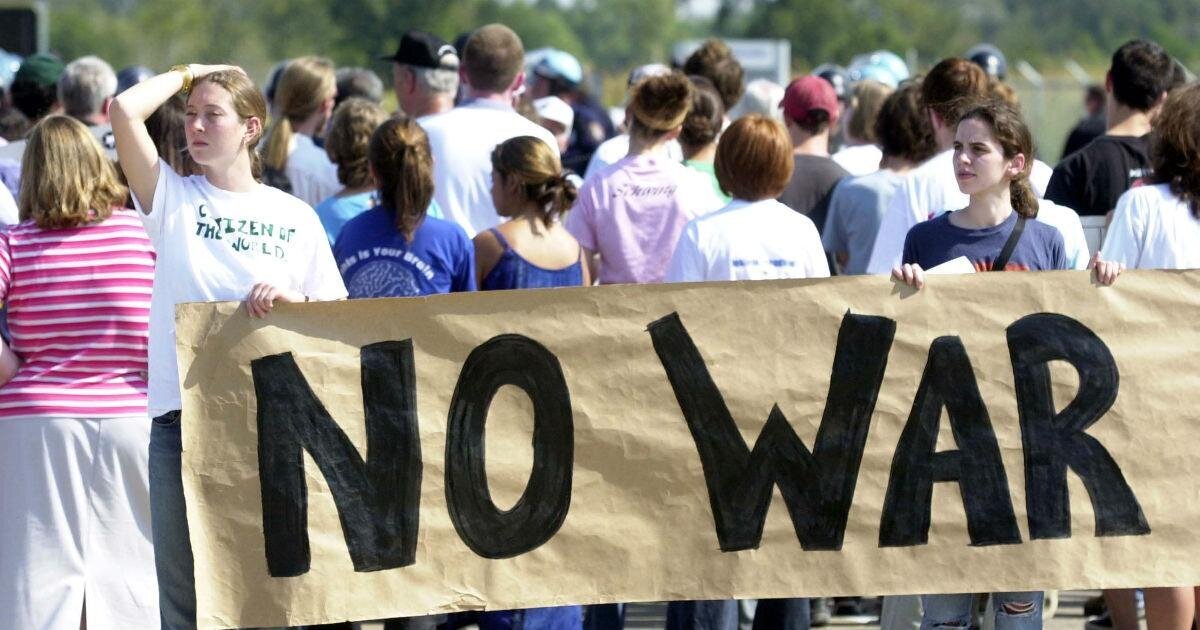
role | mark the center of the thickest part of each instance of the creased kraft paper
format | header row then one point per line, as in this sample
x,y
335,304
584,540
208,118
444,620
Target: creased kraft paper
x,y
640,526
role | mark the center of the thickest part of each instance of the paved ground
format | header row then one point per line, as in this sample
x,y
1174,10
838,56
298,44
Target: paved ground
x,y
652,616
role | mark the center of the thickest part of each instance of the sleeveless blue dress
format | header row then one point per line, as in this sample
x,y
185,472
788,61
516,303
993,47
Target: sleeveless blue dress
x,y
514,272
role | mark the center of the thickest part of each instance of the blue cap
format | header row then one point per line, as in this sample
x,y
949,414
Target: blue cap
x,y
558,64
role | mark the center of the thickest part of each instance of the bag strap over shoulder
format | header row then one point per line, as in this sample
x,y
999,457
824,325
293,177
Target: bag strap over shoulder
x,y
1011,244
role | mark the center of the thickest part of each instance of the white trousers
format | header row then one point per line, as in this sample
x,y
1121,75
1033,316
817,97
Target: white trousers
x,y
75,524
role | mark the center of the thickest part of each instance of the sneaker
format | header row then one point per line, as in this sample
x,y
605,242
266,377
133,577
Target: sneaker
x,y
1094,606
1103,622
820,610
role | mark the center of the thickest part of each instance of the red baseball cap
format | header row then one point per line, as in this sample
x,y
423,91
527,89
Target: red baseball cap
x,y
807,94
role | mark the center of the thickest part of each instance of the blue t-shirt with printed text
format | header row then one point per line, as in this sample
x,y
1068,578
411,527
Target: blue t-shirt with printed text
x,y
936,241
375,260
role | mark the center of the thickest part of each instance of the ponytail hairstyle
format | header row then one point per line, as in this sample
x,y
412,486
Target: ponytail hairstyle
x,y
248,103
403,163
703,123
533,166
1012,134
303,86
1175,146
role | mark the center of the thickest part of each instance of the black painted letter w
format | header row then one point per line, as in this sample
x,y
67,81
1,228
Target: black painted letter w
x,y
817,486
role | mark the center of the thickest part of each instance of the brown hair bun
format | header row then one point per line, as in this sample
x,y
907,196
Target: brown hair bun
x,y
661,103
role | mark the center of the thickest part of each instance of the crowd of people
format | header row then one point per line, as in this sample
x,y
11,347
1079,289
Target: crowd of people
x,y
127,193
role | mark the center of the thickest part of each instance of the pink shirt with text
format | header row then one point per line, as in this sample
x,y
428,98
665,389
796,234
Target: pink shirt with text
x,y
633,212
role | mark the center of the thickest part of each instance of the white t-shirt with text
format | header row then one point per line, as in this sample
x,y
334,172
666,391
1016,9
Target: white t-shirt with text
x,y
462,141
761,240
1152,228
214,245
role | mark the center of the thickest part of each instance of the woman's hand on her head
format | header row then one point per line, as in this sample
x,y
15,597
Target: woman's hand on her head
x,y
1106,271
912,275
263,295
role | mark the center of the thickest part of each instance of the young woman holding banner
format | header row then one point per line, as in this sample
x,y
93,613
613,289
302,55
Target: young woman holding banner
x,y
1158,227
220,235
993,156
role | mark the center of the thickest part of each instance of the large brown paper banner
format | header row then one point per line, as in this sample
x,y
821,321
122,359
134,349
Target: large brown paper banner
x,y
692,441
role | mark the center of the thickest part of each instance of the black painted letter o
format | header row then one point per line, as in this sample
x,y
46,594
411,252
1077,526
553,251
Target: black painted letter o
x,y
537,515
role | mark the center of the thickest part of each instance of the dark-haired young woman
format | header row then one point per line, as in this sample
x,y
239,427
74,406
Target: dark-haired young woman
x,y
992,159
395,249
532,249
993,155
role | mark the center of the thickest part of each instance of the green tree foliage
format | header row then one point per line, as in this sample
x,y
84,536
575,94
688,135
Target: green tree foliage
x,y
611,36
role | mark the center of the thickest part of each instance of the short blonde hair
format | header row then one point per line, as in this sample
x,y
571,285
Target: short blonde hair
x,y
66,179
754,158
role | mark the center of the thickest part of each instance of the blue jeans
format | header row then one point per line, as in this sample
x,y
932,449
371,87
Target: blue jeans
x,y
1014,611
168,518
604,617
551,618
720,614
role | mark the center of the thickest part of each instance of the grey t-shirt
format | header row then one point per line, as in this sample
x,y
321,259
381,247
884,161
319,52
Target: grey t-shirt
x,y
856,208
812,182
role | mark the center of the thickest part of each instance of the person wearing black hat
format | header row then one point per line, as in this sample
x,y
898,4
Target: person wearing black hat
x,y
424,74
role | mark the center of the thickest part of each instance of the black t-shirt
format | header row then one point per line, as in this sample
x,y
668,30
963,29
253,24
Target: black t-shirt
x,y
1092,179
1088,129
812,183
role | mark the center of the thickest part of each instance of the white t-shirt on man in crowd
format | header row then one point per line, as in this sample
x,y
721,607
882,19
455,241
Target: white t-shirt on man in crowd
x,y
462,141
760,240
926,192
214,245
314,178
8,207
1153,229
859,159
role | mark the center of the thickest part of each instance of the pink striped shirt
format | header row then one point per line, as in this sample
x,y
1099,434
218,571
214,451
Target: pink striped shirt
x,y
78,309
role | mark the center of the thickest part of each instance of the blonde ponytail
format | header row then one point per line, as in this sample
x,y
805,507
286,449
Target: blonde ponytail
x,y
279,139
